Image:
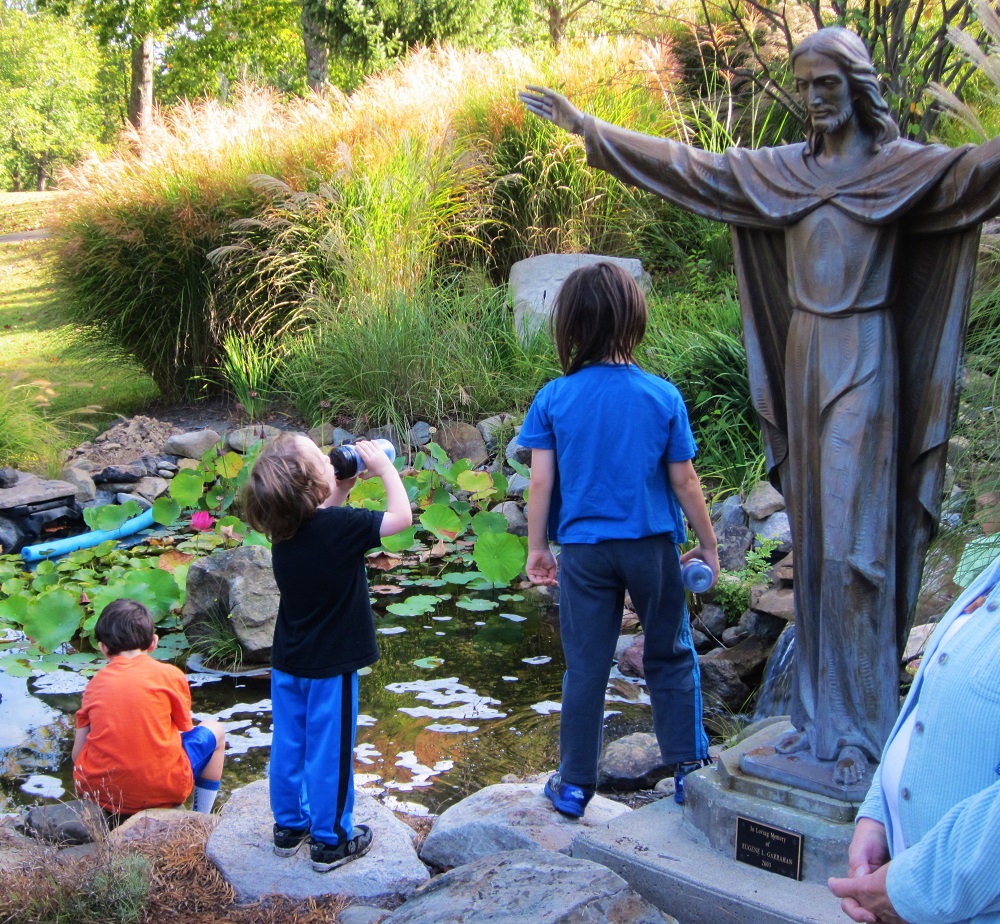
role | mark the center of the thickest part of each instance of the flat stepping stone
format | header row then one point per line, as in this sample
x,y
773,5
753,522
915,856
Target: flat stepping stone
x,y
30,490
242,848
509,816
539,886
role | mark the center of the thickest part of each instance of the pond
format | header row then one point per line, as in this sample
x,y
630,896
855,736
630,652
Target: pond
x,y
460,697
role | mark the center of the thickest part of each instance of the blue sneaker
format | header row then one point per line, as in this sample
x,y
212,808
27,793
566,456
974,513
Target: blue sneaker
x,y
569,799
682,770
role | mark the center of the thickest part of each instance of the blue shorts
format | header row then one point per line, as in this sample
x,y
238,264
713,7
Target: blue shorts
x,y
199,744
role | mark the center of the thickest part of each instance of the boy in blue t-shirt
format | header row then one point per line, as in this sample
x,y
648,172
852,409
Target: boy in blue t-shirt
x,y
611,481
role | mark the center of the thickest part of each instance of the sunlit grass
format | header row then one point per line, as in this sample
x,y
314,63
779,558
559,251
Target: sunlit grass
x,y
53,395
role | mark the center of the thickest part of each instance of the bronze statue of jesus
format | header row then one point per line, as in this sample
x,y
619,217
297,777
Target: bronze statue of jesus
x,y
855,255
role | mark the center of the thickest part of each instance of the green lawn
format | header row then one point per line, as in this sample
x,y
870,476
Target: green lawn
x,y
77,391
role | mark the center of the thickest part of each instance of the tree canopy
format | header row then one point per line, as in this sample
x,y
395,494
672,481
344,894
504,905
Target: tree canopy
x,y
50,95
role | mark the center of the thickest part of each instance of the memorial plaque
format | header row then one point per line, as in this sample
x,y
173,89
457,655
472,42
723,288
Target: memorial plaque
x,y
769,848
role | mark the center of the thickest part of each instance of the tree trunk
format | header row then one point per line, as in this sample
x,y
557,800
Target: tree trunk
x,y
15,178
42,175
317,53
140,104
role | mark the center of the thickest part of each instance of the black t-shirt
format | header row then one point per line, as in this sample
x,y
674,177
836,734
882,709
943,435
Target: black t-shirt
x,y
325,625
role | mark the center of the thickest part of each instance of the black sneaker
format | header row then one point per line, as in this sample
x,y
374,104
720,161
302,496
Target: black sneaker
x,y
288,840
326,857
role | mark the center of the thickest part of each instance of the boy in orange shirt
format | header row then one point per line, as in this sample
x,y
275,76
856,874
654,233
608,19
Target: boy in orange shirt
x,y
136,746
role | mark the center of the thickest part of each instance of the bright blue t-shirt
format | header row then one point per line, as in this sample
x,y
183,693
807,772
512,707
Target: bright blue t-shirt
x,y
614,429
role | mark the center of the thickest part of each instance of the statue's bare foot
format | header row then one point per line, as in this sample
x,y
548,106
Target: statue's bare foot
x,y
792,742
852,764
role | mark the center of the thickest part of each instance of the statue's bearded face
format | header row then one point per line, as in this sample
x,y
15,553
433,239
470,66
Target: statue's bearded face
x,y
825,92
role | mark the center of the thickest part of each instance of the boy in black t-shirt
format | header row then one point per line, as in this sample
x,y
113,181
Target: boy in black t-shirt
x,y
324,634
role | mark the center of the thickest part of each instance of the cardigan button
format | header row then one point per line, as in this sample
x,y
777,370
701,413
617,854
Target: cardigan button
x,y
919,728
905,793
943,658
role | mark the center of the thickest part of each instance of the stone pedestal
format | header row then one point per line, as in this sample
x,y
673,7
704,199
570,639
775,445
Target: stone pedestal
x,y
716,796
683,859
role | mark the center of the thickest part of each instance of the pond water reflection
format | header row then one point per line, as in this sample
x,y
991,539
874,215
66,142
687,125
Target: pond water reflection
x,y
462,695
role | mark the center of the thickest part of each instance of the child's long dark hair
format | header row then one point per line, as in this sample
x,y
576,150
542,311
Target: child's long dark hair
x,y
600,314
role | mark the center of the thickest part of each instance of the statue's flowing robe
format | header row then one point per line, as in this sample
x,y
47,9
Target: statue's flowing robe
x,y
854,288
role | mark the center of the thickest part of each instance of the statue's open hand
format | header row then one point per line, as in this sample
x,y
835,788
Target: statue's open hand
x,y
553,107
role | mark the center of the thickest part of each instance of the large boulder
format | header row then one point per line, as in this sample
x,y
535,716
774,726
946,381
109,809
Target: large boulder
x,y
632,762
462,441
535,282
237,583
762,501
67,823
508,816
630,660
191,445
539,886
775,527
721,683
242,847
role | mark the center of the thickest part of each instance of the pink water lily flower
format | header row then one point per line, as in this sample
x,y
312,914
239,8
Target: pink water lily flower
x,y
202,521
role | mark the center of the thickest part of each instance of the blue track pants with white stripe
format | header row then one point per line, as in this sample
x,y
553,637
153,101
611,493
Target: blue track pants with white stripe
x,y
592,584
312,753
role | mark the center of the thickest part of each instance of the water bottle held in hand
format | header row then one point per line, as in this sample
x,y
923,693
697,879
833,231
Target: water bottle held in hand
x,y
347,461
697,576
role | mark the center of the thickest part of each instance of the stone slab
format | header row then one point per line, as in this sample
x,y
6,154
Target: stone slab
x,y
534,283
31,491
242,848
672,865
508,816
521,886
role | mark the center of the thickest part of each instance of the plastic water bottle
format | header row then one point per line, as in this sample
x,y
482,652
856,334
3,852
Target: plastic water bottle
x,y
696,576
347,461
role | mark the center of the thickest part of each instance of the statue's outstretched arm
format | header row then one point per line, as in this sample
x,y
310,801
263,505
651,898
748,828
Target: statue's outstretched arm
x,y
553,107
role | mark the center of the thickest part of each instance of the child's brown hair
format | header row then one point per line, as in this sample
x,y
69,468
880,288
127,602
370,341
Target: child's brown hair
x,y
124,625
600,314
284,488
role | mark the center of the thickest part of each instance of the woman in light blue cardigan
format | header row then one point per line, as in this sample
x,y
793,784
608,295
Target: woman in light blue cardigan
x,y
926,848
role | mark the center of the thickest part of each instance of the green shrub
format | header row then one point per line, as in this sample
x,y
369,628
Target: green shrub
x,y
732,592
695,340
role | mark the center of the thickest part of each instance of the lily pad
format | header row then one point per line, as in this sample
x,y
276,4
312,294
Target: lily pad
x,y
442,521
461,577
476,604
500,556
429,663
417,605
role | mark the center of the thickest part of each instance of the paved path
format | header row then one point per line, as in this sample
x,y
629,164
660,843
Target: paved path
x,y
18,236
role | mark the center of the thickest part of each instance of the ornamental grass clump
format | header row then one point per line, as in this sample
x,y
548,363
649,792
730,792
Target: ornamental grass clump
x,y
439,353
421,173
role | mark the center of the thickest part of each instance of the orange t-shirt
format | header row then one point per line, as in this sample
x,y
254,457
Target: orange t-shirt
x,y
133,759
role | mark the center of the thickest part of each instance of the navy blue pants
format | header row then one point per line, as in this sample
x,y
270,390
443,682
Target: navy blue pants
x,y
592,584
312,754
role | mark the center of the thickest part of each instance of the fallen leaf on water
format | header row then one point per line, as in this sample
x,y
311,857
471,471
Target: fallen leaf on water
x,y
172,559
439,550
383,561
385,589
